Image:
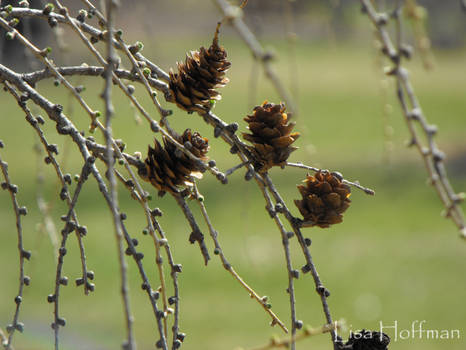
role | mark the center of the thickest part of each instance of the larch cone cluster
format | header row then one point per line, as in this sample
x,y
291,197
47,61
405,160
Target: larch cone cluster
x,y
168,168
324,199
193,86
270,135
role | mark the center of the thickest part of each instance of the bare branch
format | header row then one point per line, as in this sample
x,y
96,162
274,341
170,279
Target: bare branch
x,y
432,156
233,15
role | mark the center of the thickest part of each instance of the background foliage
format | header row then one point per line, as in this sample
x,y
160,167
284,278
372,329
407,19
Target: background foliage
x,y
393,258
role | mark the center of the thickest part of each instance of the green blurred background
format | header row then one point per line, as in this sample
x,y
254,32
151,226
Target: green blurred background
x,y
393,259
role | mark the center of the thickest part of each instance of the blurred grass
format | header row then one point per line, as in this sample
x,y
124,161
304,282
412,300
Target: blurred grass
x,y
393,258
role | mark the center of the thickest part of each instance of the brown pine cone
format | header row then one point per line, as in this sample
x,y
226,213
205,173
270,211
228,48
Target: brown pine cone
x,y
202,72
167,168
325,198
270,135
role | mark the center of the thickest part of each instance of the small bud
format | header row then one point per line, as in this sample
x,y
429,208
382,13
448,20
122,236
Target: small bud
x,y
217,131
234,149
138,46
10,328
79,281
406,51
63,281
176,344
81,17
10,35
23,211
13,188
51,298
26,254
382,19
58,108
307,241
90,275
90,286
48,8
171,300
154,126
155,294
177,268
62,251
18,299
19,326
63,193
27,280
82,230
156,212
181,336
306,268
222,178
52,21
212,163
299,324
67,178
44,53
14,22
279,208
232,128
61,321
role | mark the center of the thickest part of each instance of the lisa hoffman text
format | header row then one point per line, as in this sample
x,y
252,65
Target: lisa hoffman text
x,y
417,330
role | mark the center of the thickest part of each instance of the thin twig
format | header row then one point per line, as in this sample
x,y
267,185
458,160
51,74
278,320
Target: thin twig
x,y
310,266
51,150
226,264
107,97
22,253
196,234
276,343
65,127
432,156
233,15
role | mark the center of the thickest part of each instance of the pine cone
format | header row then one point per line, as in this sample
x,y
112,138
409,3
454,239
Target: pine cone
x,y
167,168
325,198
367,340
197,78
270,135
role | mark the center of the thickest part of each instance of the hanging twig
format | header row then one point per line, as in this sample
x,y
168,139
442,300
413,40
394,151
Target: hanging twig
x,y
219,251
432,156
